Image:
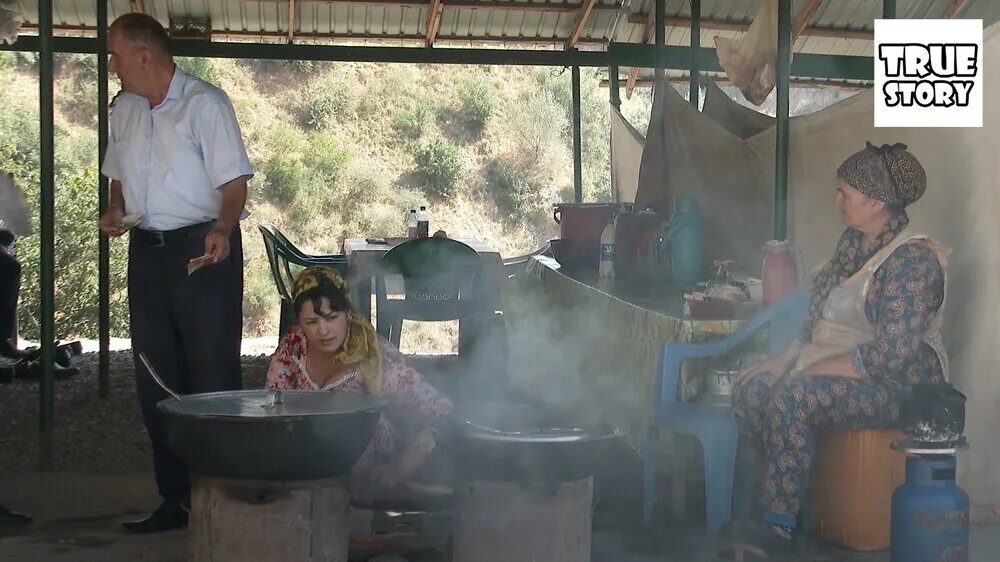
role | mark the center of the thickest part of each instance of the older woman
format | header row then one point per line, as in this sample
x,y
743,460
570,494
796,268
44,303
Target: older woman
x,y
335,349
873,330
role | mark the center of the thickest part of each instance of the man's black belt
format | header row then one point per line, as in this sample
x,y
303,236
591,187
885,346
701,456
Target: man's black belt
x,y
169,237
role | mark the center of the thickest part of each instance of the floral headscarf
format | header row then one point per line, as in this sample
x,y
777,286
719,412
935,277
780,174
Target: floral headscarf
x,y
361,346
887,173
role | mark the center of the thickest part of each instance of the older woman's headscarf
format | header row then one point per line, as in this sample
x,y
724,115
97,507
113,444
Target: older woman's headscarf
x,y
361,346
885,173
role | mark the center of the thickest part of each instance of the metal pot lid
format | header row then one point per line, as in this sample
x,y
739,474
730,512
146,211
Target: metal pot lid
x,y
538,435
270,404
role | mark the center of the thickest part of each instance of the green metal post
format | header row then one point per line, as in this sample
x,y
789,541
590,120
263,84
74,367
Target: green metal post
x,y
695,90
614,86
47,242
888,9
104,254
781,138
661,37
577,139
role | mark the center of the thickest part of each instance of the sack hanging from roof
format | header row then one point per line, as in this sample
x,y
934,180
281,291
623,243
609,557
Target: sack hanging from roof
x,y
10,21
749,61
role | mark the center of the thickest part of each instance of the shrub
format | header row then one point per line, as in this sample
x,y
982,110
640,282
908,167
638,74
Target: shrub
x,y
535,124
325,156
439,166
412,122
199,67
80,103
287,139
512,187
285,176
76,263
477,98
325,101
365,183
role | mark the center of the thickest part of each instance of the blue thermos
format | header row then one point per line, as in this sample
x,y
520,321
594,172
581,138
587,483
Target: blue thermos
x,y
683,240
930,513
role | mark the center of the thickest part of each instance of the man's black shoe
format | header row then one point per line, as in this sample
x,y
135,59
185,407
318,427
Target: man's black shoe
x,y
169,516
8,517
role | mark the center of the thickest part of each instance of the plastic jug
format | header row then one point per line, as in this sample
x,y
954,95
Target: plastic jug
x,y
682,238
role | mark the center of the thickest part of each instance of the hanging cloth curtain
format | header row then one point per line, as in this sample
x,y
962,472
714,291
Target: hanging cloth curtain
x,y
10,21
749,61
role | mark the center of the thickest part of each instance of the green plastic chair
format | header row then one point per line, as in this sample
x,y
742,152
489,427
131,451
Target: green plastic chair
x,y
442,280
316,259
281,260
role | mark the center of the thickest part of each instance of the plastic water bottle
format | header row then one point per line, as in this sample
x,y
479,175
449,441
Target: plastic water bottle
x,y
411,225
423,223
606,268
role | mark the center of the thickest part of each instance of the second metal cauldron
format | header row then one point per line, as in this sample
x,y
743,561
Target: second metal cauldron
x,y
271,435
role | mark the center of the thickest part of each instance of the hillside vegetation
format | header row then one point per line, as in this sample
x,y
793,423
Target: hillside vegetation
x,y
340,150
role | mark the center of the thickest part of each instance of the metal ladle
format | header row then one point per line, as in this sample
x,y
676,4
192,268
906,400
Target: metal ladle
x,y
275,398
156,377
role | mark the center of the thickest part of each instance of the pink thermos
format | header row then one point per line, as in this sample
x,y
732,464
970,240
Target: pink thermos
x,y
781,273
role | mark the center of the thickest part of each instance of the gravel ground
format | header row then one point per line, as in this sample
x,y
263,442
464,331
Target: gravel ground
x,y
92,435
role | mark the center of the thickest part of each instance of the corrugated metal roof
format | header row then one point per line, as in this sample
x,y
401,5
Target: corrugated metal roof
x,y
480,21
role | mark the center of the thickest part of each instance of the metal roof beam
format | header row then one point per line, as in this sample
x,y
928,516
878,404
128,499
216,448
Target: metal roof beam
x,y
804,17
724,82
501,5
631,55
581,20
955,9
723,25
433,21
647,33
804,65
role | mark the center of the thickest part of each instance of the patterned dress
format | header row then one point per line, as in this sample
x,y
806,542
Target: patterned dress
x,y
780,422
412,404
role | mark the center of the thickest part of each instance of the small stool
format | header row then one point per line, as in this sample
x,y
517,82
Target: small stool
x,y
248,521
853,479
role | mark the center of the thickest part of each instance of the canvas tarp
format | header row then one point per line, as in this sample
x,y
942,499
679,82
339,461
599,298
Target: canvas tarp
x,y
626,154
961,208
689,155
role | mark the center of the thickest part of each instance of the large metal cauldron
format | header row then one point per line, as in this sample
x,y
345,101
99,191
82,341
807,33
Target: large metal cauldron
x,y
271,435
514,442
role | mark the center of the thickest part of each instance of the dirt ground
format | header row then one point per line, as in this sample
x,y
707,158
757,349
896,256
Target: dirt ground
x,y
103,475
77,519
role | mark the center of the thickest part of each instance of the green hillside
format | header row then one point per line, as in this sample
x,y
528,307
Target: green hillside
x,y
340,149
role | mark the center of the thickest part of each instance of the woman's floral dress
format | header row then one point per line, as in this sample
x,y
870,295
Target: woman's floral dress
x,y
411,403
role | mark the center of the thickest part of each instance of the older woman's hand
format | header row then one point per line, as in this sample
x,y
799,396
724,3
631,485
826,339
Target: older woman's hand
x,y
771,370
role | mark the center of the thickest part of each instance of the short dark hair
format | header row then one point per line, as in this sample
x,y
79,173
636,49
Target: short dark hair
x,y
143,28
6,237
339,302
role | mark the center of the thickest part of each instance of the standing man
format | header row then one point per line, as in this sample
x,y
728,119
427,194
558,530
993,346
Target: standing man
x,y
10,289
176,157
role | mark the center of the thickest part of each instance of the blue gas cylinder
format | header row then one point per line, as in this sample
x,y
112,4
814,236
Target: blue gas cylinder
x,y
930,513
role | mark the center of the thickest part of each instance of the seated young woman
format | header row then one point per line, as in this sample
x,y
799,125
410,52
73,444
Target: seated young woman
x,y
337,350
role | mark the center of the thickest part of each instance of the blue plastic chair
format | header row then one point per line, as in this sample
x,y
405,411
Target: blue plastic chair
x,y
713,425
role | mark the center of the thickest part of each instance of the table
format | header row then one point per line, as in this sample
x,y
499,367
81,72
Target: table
x,y
363,264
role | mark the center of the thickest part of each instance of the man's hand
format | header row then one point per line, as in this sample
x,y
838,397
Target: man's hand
x,y
217,244
110,221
